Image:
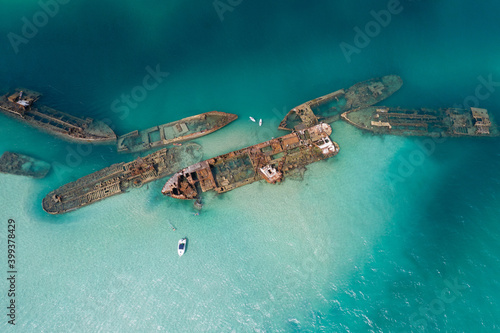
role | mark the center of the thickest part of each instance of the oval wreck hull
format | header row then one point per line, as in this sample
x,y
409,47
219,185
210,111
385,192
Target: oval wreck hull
x,y
175,132
23,165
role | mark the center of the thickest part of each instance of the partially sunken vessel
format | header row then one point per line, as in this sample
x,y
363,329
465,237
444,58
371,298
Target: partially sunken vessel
x,y
175,132
120,177
423,122
328,108
23,165
21,105
271,160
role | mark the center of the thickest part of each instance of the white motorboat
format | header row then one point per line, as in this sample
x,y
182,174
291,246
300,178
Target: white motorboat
x,y
182,246
252,119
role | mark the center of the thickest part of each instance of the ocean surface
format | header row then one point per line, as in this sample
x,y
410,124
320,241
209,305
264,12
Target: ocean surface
x,y
393,234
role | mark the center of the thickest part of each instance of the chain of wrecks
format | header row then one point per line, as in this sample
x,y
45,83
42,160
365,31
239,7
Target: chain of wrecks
x,y
271,161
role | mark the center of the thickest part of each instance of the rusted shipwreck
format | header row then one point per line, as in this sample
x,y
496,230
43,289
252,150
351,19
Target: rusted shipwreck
x,y
120,177
21,105
423,122
178,131
23,165
271,160
328,108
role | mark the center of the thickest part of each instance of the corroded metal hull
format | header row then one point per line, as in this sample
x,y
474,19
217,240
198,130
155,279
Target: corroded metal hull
x,y
422,122
23,165
271,160
20,105
329,107
117,178
178,131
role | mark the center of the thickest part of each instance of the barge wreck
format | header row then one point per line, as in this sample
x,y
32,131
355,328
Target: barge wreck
x,y
444,122
329,107
178,131
120,177
20,105
271,160
23,165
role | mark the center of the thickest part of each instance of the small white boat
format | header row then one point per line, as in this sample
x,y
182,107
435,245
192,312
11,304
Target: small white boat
x,y
182,246
260,122
252,119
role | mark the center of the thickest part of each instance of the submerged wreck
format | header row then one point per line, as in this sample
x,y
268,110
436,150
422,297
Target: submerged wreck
x,y
120,177
422,122
174,132
329,107
20,105
271,160
23,165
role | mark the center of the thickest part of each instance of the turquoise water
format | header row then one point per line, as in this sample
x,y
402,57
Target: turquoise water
x,y
393,234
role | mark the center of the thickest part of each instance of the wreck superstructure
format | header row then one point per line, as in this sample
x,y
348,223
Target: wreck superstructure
x,y
120,177
329,107
271,160
20,105
174,132
23,165
422,122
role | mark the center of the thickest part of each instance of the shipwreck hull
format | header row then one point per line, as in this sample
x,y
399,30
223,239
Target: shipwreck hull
x,y
328,108
175,132
20,106
23,165
446,122
120,177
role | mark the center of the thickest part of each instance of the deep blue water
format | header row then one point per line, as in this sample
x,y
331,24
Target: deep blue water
x,y
393,234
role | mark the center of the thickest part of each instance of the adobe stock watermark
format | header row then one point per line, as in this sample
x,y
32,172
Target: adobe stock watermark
x,y
416,158
269,127
73,159
437,306
482,92
48,9
222,6
76,154
138,94
372,29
